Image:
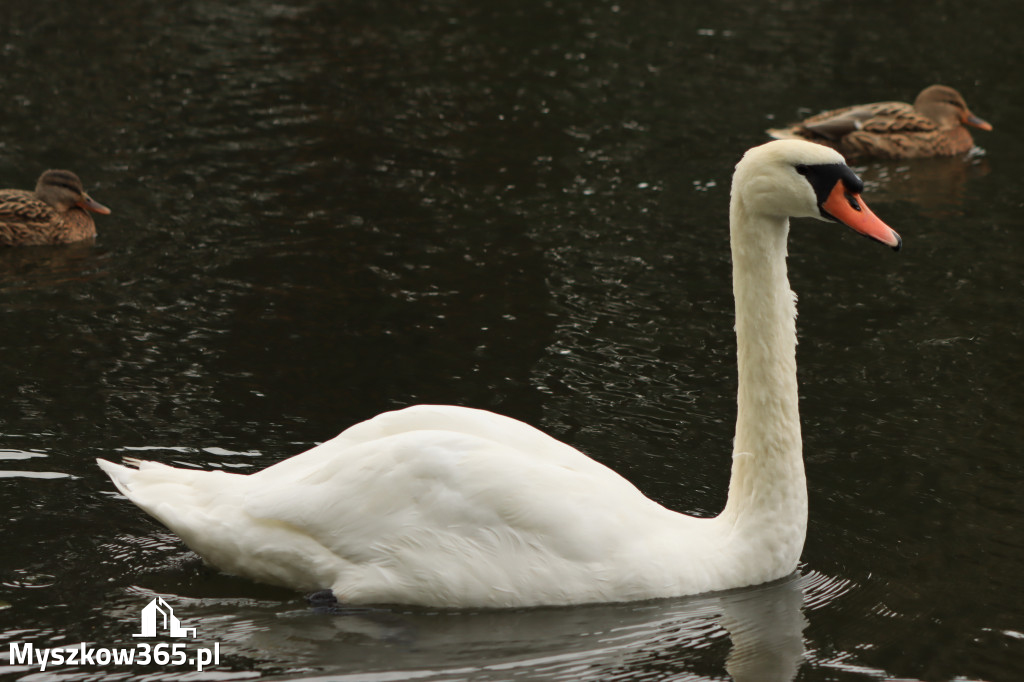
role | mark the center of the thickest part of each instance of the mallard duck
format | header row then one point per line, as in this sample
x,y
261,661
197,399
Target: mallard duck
x,y
932,126
455,507
57,212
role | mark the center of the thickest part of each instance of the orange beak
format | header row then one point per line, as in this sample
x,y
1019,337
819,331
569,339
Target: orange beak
x,y
89,204
972,120
849,209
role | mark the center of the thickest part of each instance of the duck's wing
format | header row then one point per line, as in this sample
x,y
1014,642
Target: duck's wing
x,y
827,127
20,206
24,219
902,119
880,118
834,124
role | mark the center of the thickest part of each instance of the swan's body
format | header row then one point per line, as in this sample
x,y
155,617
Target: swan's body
x,y
934,125
57,212
451,506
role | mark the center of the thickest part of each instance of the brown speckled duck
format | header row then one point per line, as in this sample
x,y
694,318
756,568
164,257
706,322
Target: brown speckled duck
x,y
932,126
57,212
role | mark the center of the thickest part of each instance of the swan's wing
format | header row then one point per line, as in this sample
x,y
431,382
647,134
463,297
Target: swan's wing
x,y
359,476
422,512
489,425
431,479
523,438
391,513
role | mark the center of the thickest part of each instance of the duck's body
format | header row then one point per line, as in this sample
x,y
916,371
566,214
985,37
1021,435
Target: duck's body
x,y
934,125
450,506
56,212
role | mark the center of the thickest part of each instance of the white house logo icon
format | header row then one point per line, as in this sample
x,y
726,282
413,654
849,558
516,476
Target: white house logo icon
x,y
170,622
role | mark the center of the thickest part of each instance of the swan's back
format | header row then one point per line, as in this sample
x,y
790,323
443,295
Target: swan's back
x,y
527,441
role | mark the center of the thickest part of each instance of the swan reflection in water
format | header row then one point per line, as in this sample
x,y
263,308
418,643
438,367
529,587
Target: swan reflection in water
x,y
758,629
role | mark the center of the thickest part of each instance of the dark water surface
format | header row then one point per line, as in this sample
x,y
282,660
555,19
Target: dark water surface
x,y
323,210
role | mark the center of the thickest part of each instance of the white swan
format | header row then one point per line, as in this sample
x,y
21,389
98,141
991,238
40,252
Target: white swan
x,y
450,506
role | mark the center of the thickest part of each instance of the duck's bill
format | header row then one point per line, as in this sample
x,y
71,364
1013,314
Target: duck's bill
x,y
90,204
973,120
849,209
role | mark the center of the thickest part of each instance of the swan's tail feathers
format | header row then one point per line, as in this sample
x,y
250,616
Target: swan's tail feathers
x,y
178,498
136,474
120,475
129,476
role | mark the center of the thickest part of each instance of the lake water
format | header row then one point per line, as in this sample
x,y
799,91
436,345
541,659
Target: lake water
x,y
323,210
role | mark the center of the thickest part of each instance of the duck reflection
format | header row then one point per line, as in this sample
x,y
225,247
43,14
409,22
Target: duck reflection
x,y
937,186
42,267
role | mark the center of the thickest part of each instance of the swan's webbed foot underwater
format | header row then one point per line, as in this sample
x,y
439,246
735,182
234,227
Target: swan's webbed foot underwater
x,y
326,602
323,601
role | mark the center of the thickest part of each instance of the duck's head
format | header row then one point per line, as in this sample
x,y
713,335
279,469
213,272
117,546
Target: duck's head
x,y
63,190
800,179
945,106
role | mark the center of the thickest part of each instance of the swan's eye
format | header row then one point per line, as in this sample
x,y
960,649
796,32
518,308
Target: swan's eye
x,y
852,200
802,169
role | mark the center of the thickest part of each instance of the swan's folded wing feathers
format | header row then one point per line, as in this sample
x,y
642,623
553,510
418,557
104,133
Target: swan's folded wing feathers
x,y
457,494
526,440
451,517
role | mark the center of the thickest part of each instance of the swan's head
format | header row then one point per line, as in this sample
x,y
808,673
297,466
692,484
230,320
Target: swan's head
x,y
800,179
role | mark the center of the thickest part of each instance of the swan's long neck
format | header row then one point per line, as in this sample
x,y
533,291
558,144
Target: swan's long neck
x,y
767,491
